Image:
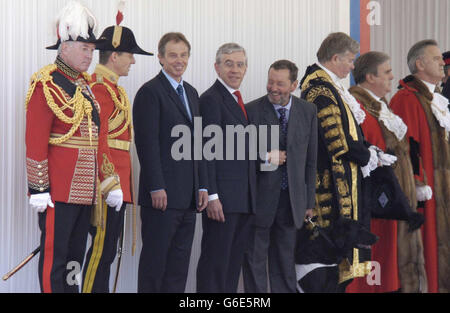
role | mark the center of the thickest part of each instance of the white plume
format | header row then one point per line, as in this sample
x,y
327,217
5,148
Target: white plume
x,y
74,20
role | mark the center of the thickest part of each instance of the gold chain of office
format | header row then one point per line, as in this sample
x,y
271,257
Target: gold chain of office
x,y
78,103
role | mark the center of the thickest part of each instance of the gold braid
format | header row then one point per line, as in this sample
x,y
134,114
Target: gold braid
x,y
78,103
122,105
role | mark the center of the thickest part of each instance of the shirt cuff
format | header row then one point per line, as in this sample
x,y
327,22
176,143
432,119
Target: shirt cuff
x,y
213,197
156,190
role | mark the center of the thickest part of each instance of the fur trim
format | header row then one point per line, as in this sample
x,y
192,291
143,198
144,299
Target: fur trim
x,y
380,111
441,163
410,256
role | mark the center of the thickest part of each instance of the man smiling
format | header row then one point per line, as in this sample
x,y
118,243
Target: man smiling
x,y
170,191
285,195
232,182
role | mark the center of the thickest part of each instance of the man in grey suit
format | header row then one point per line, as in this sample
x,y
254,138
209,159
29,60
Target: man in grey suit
x,y
286,195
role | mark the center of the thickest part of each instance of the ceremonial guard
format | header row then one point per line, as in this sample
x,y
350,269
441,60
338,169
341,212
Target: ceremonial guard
x,y
116,57
68,161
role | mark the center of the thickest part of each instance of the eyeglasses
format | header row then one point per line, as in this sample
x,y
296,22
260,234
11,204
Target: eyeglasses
x,y
231,64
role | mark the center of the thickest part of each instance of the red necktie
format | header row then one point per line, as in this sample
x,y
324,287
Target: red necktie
x,y
240,102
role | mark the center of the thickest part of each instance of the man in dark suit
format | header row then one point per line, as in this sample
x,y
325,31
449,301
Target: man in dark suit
x,y
286,194
169,189
232,181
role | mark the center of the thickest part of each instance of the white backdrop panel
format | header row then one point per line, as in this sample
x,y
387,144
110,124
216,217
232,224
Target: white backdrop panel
x,y
403,23
268,29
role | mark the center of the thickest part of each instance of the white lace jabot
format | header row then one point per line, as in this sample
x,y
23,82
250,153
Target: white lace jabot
x,y
392,121
354,105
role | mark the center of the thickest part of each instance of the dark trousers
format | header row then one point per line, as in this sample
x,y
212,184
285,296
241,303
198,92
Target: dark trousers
x,y
64,231
223,246
274,245
102,251
166,249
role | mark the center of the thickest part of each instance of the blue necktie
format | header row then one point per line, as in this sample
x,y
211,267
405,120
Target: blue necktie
x,y
283,145
181,95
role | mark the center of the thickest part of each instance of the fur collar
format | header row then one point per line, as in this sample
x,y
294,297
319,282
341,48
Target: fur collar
x,y
380,111
413,84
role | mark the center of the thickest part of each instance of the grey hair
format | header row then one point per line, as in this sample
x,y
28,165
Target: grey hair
x,y
229,48
66,42
417,51
336,43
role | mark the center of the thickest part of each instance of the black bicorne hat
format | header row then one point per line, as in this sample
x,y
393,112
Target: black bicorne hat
x,y
121,39
446,56
90,39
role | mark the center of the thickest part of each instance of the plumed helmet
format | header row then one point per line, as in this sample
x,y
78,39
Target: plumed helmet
x,y
75,22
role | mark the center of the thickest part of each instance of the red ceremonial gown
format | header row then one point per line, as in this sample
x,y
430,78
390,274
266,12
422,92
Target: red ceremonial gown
x,y
406,104
385,250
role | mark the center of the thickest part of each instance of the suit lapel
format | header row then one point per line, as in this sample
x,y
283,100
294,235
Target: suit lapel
x,y
292,128
191,99
174,96
231,103
269,116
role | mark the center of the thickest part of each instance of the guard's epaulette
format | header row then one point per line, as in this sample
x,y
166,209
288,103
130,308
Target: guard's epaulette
x,y
100,79
42,76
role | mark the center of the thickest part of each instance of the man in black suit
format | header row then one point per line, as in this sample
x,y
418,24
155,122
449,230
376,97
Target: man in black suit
x,y
286,194
231,181
169,189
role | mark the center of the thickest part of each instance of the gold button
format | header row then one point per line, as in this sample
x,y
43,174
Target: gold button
x,y
41,182
40,174
39,166
41,189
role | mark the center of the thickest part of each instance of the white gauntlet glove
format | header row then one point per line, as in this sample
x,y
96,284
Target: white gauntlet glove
x,y
386,159
40,201
115,199
424,193
373,162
